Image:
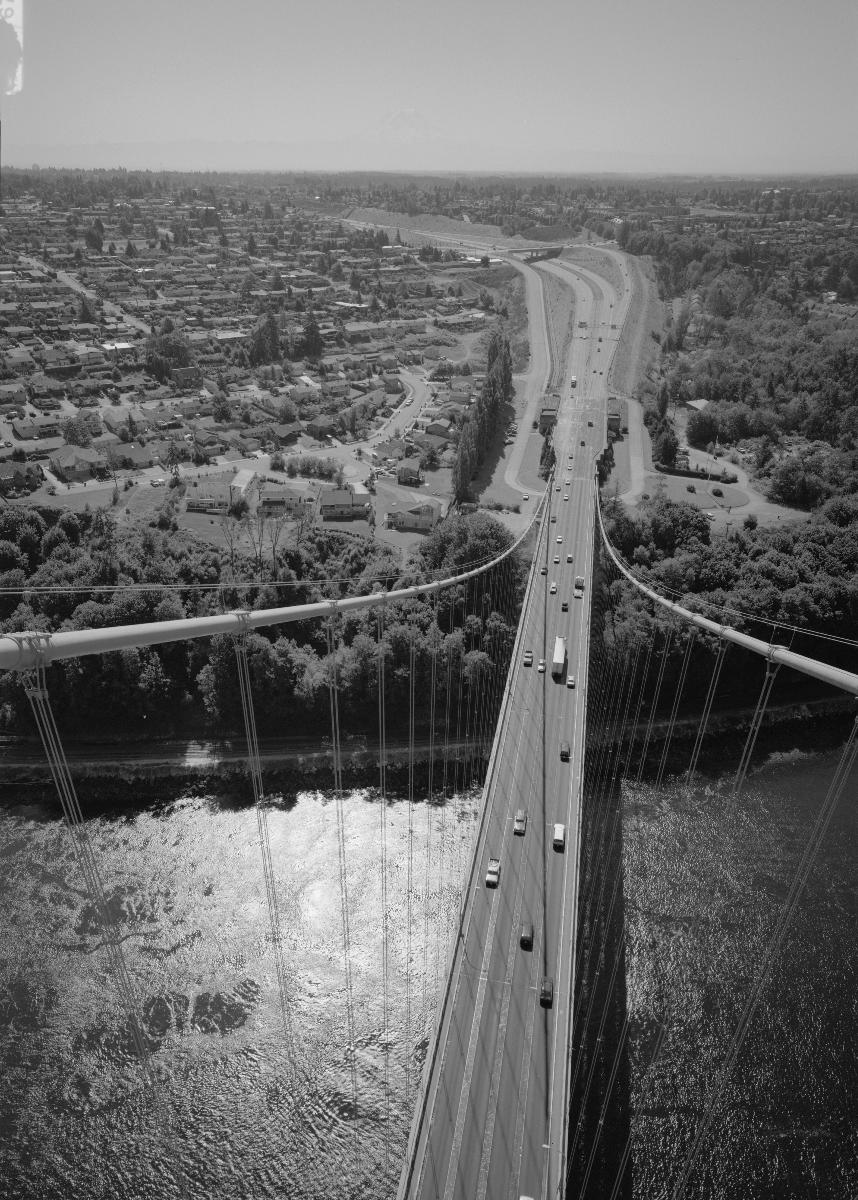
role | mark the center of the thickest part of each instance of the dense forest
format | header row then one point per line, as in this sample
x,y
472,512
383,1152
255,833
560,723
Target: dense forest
x,y
787,584
63,571
767,334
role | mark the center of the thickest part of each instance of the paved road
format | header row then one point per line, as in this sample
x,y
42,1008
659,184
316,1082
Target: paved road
x,y
493,1122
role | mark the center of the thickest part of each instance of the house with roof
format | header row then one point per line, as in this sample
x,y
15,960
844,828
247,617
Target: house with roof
x,y
320,426
341,505
76,463
18,476
31,428
418,518
408,472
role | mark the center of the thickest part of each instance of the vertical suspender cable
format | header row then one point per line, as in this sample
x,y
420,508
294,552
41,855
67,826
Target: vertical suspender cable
x,y
410,861
427,881
692,637
333,691
255,768
723,647
382,805
757,720
842,772
665,651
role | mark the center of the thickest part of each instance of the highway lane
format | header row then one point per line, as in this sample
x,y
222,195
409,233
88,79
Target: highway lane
x,y
495,1122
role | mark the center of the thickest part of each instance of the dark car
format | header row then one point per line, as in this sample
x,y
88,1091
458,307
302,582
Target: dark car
x,y
546,992
526,937
717,492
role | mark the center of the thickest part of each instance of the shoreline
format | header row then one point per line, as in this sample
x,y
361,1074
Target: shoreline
x,y
220,766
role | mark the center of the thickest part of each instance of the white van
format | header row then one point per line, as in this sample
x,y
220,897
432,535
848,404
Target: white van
x,y
559,839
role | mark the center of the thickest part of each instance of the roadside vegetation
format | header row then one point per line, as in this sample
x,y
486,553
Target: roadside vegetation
x,y
65,571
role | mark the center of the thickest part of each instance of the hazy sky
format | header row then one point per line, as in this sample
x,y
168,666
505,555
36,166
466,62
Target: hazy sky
x,y
625,85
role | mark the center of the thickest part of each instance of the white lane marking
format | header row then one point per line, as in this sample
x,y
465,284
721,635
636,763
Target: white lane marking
x,y
500,1045
476,1020
526,1059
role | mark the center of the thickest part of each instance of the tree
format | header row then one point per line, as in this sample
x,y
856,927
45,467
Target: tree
x,y
76,431
87,314
312,344
221,409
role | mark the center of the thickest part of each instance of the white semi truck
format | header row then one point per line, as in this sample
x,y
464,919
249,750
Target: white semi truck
x,y
558,662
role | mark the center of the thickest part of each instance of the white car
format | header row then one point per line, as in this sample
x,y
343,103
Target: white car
x,y
541,667
565,497
519,827
158,482
557,560
570,681
569,558
560,539
493,873
525,496
553,589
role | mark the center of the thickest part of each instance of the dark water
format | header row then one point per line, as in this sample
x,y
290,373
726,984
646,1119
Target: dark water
x,y
706,879
229,1114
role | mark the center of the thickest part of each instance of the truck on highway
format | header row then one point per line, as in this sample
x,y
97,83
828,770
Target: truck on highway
x,y
558,662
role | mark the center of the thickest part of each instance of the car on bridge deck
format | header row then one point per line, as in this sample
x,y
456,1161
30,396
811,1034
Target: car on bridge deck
x,y
554,518
526,937
543,570
564,757
558,840
528,658
569,558
557,560
560,539
565,497
570,681
519,825
546,992
493,873
579,587
541,667
590,423
553,589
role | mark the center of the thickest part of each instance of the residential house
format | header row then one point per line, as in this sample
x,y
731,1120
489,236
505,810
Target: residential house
x,y
186,377
242,485
212,498
76,463
408,472
420,518
320,426
278,501
30,428
341,505
17,476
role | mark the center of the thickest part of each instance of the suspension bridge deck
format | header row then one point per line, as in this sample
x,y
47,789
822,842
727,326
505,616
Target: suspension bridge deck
x,y
493,1117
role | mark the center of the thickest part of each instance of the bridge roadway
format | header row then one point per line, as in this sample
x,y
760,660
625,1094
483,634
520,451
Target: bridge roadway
x,y
493,1118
